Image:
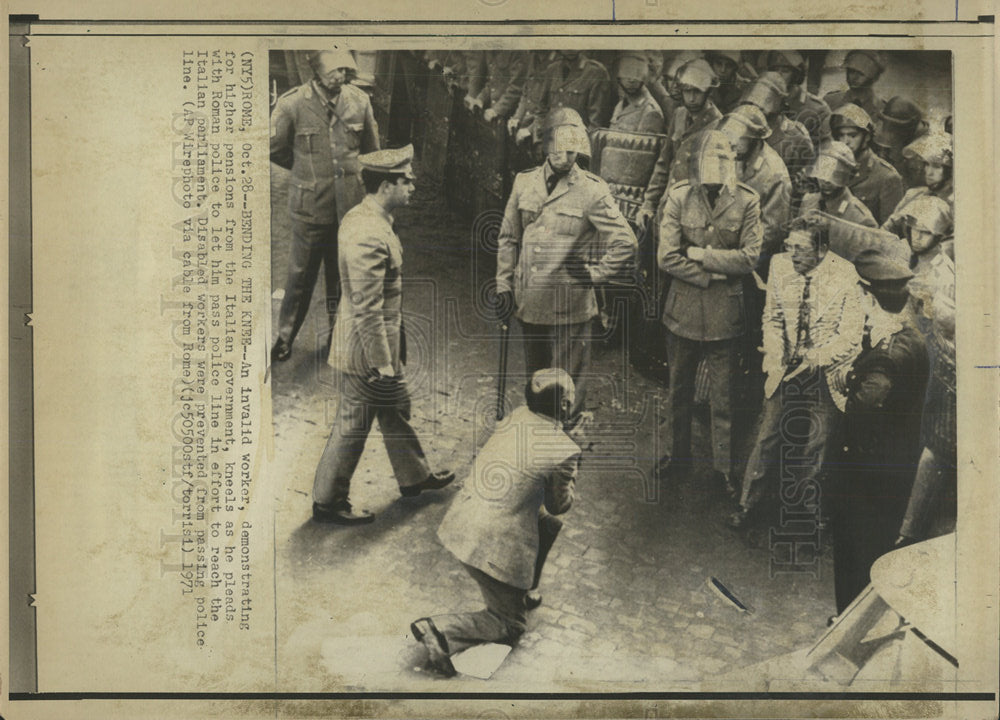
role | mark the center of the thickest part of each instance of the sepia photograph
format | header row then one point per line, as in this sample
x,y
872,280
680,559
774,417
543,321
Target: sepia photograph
x,y
668,368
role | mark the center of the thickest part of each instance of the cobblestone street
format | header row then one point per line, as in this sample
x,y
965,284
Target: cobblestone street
x,y
626,601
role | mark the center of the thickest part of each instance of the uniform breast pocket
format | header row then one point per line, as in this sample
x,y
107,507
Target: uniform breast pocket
x,y
728,234
569,221
529,213
306,140
352,134
694,234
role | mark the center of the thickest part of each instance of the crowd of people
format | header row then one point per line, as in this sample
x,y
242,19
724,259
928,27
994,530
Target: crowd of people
x,y
807,249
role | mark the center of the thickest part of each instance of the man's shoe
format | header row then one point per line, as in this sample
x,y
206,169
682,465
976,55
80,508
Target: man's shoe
x,y
739,519
434,481
532,599
437,647
281,351
341,514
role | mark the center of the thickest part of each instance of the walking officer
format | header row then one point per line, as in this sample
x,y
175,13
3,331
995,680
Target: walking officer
x,y
367,347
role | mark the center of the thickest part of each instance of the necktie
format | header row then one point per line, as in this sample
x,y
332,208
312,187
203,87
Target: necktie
x,y
550,183
802,340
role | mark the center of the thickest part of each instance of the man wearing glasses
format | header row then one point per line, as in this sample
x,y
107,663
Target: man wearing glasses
x,y
814,321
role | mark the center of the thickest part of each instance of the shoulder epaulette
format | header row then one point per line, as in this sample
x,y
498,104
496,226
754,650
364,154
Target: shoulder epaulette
x,y
354,89
297,88
885,163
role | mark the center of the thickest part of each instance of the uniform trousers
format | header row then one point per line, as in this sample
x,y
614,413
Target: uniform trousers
x,y
311,246
796,425
361,401
503,621
563,346
683,356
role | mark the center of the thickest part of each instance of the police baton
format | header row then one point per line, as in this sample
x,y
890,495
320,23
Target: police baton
x,y
502,373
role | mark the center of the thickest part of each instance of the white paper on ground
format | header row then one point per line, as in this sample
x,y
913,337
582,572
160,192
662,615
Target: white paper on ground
x,y
480,661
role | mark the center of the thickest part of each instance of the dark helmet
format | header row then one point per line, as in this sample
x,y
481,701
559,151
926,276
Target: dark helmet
x,y
899,122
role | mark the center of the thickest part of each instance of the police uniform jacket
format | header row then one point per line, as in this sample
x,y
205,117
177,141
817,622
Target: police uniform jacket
x,y
530,104
367,332
586,89
505,72
697,306
468,69
843,207
865,98
676,152
543,236
790,140
641,116
727,96
836,320
765,172
492,523
319,142
877,184
811,111
667,104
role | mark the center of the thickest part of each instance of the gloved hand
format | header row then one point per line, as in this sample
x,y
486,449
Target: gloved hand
x,y
512,124
504,305
489,114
